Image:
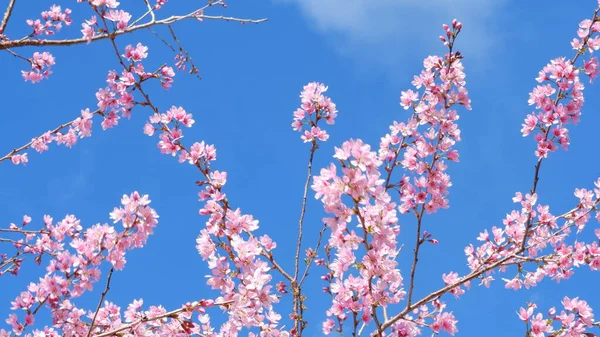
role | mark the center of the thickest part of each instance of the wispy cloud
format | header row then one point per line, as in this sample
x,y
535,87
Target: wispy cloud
x,y
383,31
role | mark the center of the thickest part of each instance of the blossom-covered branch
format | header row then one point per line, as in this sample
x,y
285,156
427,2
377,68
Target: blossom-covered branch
x,y
500,252
364,192
117,99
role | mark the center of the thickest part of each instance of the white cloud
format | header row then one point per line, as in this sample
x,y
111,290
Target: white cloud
x,y
383,31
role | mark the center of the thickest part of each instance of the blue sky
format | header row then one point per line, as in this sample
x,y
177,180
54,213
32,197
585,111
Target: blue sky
x,y
366,52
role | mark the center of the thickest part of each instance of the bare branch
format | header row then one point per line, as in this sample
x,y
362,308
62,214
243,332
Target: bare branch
x,y
311,259
150,10
106,289
169,20
7,14
296,289
186,56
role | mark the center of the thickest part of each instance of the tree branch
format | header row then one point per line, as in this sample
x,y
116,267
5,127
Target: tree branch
x,y
28,145
169,20
559,96
296,289
474,274
172,313
7,14
106,289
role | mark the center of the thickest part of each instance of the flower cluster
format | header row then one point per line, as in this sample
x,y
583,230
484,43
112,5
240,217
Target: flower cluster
x,y
53,21
425,183
74,265
527,232
315,107
121,17
89,28
40,67
559,97
362,272
227,242
42,62
116,99
79,128
360,283
574,320
503,245
171,123
238,272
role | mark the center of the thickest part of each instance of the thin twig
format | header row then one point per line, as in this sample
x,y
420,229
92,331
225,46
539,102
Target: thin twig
x,y
106,289
271,259
162,40
310,260
151,10
187,58
303,208
296,289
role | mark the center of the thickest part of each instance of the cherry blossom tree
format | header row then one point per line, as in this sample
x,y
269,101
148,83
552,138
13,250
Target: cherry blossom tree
x,y
366,192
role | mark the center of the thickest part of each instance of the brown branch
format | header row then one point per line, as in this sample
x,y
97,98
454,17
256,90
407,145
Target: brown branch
x,y
150,10
169,20
106,289
23,231
296,289
271,259
194,70
310,260
165,315
303,209
442,291
7,14
162,40
18,56
13,260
